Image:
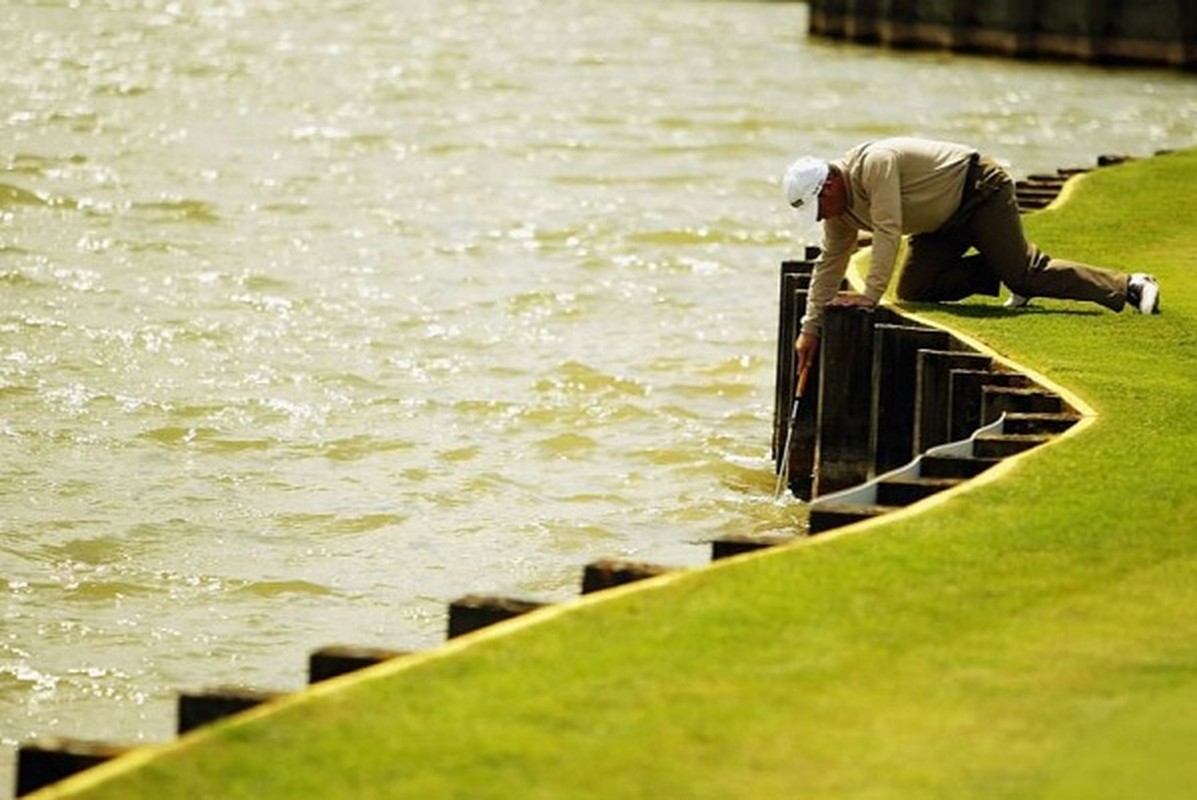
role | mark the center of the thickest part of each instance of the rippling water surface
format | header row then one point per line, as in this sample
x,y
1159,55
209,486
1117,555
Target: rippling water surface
x,y
317,315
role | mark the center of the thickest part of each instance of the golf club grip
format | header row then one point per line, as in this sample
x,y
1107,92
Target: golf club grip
x,y
802,376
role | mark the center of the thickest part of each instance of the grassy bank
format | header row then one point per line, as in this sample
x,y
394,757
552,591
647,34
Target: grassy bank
x,y
1033,636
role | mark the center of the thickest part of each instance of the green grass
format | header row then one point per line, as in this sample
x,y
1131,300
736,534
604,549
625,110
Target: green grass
x,y
1035,636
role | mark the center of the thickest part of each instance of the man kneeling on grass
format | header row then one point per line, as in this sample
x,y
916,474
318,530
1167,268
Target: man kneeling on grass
x,y
948,198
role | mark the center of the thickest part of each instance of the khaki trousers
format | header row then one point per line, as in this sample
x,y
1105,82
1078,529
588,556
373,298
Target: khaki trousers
x,y
936,267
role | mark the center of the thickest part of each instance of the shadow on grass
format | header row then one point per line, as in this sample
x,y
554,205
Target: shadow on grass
x,y
991,311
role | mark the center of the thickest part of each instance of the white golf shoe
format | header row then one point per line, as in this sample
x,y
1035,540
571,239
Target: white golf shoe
x,y
1143,292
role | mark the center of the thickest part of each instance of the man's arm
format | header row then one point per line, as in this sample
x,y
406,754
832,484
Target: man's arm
x,y
839,243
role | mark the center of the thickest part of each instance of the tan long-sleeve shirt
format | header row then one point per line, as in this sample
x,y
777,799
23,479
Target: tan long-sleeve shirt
x,y
895,186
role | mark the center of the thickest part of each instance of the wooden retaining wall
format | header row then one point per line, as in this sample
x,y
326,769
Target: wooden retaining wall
x,y
1154,32
890,389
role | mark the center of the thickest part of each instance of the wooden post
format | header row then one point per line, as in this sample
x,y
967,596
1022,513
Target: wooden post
x,y
791,305
1021,423
997,400
845,399
1006,445
611,572
329,662
960,33
964,398
475,611
1024,17
862,22
735,544
932,393
209,705
895,376
42,763
900,27
795,282
1095,29
1188,36
827,17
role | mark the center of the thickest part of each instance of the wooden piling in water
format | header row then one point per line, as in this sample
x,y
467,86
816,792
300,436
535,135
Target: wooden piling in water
x,y
206,706
735,544
795,280
823,519
329,662
608,573
49,761
475,611
793,287
1098,31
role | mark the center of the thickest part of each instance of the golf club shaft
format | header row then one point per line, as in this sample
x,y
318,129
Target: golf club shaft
x,y
783,473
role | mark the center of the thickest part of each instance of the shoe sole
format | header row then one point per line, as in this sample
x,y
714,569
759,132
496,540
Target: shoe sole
x,y
1149,299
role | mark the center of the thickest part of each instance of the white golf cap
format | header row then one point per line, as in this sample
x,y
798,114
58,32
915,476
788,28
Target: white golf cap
x,y
802,182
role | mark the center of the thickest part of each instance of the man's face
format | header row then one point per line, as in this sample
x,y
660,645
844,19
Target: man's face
x,y
833,198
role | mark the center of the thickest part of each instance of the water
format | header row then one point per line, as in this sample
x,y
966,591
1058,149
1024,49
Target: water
x,y
317,315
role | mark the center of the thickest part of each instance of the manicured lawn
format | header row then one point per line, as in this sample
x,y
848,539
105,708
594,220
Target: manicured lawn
x,y
1035,636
